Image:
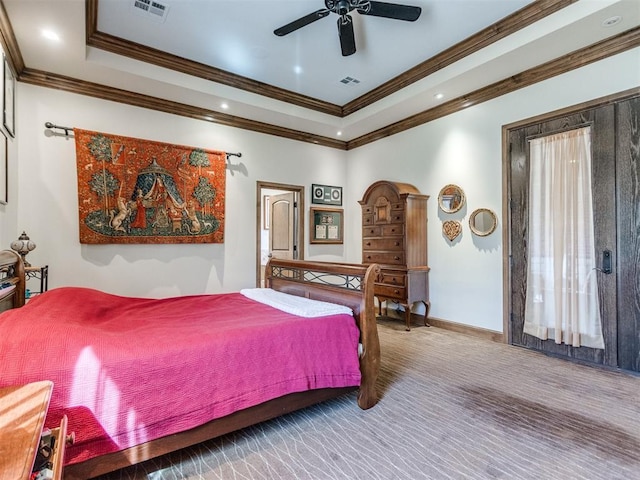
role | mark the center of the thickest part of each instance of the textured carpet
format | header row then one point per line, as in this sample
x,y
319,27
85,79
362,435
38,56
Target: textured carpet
x,y
452,407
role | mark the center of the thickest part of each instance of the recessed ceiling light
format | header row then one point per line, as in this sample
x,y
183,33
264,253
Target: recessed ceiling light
x,y
297,69
338,133
224,105
51,35
611,21
439,96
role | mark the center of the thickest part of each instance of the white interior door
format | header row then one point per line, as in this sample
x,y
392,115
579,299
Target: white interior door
x,y
282,219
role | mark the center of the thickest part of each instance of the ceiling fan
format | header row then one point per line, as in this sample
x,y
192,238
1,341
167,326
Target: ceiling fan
x,y
345,22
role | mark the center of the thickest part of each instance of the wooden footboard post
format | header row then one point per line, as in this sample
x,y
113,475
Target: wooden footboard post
x,y
370,358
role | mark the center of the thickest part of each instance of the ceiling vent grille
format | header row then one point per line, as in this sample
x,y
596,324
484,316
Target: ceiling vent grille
x,y
350,81
151,9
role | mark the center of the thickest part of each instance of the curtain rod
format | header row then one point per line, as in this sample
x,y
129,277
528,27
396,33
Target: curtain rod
x,y
66,133
51,125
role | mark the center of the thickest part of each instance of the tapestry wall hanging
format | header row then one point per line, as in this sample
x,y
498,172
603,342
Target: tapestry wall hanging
x,y
140,191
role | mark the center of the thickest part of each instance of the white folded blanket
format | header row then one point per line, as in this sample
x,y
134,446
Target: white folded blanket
x,y
301,306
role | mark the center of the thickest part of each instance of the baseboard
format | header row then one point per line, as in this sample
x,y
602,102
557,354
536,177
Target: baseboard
x,y
416,319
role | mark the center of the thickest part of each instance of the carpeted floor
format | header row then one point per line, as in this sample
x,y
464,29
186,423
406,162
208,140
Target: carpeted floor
x,y
452,407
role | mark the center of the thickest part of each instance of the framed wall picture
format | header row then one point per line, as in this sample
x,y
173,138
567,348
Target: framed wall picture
x,y
8,98
327,225
326,195
4,165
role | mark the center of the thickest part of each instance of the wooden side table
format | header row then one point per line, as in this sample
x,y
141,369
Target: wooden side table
x,y
23,409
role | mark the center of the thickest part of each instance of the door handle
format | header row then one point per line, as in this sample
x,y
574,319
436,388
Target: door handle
x,y
606,261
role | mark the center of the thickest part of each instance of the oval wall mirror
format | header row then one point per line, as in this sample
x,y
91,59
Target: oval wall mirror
x,y
483,222
451,198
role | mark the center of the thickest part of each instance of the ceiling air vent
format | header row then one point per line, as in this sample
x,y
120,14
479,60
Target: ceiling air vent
x,y
350,81
151,9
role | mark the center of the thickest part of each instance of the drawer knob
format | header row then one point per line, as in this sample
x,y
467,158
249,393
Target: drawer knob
x,y
397,292
368,244
368,257
396,258
397,244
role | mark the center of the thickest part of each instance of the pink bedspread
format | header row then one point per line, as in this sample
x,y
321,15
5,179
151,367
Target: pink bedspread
x,y
129,370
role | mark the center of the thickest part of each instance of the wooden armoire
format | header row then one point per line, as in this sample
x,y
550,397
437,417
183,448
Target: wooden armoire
x,y
394,235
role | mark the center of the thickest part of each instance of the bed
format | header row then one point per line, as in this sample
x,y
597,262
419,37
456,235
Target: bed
x,y
138,378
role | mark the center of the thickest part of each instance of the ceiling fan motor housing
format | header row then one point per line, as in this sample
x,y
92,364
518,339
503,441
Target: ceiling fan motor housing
x,y
342,7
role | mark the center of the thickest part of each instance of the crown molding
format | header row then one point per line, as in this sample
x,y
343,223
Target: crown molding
x,y
593,53
524,17
576,59
81,87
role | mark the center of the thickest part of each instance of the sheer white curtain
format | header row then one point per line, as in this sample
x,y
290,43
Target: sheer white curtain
x,y
562,291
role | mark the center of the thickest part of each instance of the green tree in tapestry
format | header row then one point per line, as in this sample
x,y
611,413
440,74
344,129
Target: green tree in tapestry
x,y
100,148
199,158
104,184
204,193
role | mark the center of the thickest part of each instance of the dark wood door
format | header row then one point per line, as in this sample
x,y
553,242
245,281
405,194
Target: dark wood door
x,y
628,232
615,181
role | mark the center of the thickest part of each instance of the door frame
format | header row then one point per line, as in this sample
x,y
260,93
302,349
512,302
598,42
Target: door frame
x,y
298,227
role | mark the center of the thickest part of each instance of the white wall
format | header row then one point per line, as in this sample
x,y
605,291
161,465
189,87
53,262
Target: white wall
x,y
47,199
463,148
9,211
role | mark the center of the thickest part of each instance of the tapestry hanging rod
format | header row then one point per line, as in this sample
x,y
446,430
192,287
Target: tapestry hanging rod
x,y
51,125
66,133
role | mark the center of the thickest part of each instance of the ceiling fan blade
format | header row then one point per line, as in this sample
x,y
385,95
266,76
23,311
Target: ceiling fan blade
x,y
347,37
391,10
301,22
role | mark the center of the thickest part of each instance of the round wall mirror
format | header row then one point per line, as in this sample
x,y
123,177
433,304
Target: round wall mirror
x,y
451,198
483,222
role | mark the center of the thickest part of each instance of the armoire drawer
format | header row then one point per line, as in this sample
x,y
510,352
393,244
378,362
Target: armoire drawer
x,y
393,279
392,229
389,258
383,243
397,216
389,291
371,231
367,209
382,230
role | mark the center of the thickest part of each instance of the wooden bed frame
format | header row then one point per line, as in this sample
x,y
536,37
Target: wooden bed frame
x,y
345,284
